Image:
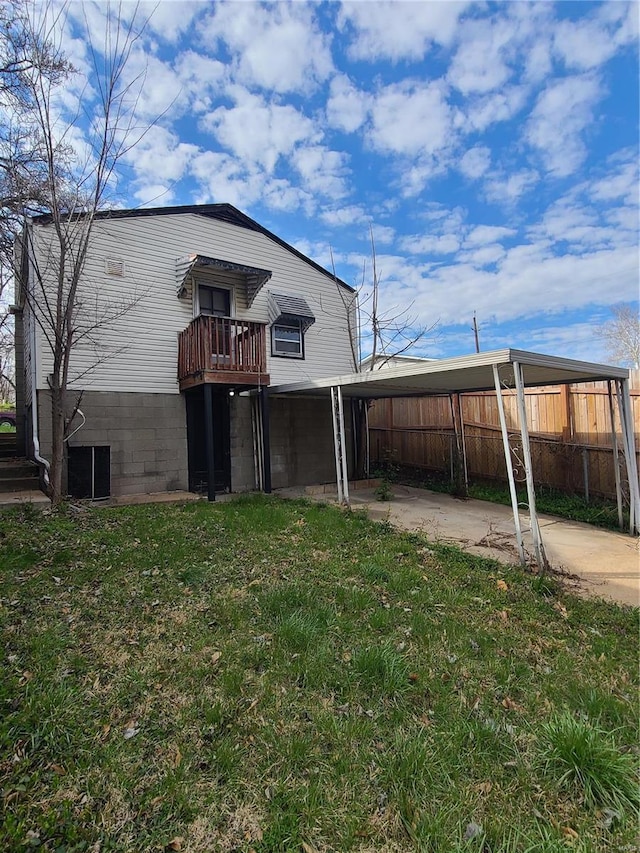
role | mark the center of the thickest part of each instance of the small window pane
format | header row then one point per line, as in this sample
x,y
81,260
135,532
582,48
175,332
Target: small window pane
x,y
283,334
287,340
214,301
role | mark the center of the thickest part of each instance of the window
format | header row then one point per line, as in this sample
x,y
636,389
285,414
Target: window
x,y
214,301
89,472
287,340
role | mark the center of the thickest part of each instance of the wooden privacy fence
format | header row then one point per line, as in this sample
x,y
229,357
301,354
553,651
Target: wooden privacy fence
x,y
570,433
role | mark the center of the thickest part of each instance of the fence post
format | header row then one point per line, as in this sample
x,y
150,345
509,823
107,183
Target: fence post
x,y
585,472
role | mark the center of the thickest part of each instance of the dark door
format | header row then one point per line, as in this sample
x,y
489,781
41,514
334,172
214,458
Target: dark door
x,y
197,440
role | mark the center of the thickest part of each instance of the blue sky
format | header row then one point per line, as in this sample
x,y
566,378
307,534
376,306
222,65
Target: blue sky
x,y
492,148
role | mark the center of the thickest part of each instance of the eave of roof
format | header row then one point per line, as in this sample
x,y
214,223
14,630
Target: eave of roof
x,y
457,375
221,212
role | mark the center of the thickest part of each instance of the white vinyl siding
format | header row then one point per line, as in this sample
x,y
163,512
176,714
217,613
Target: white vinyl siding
x,y
142,345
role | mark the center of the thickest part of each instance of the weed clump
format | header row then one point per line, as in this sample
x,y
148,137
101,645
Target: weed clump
x,y
583,758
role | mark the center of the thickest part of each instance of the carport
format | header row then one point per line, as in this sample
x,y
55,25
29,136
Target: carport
x,y
504,371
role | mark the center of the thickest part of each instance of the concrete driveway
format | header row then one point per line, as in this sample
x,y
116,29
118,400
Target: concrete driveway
x,y
596,562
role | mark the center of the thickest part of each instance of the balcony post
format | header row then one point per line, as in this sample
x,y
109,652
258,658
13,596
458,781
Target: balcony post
x,y
263,395
208,430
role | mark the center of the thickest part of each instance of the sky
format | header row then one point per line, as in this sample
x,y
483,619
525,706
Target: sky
x,y
491,149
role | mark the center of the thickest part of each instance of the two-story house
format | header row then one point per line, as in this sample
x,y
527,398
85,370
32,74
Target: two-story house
x,y
215,310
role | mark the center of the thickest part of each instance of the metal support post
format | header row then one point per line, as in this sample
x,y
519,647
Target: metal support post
x,y
628,444
343,449
336,442
208,431
634,486
616,461
526,449
507,457
339,445
266,439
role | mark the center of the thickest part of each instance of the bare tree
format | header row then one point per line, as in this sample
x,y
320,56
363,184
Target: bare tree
x,y
621,335
73,186
390,333
23,49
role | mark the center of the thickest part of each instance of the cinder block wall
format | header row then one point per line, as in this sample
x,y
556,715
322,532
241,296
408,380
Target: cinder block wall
x,y
243,477
147,435
301,442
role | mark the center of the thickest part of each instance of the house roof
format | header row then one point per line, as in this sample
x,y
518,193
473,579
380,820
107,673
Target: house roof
x,y
451,375
221,212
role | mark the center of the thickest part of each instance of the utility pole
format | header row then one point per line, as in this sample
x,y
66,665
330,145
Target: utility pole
x,y
475,332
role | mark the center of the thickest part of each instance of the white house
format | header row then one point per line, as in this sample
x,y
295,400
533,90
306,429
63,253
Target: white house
x,y
175,390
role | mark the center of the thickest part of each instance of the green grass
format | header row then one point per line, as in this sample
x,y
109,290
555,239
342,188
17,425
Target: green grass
x,y
284,676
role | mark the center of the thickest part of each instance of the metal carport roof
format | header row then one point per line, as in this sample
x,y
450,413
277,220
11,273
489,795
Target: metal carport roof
x,y
453,375
497,370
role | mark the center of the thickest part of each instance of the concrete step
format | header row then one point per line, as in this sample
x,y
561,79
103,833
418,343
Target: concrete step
x,y
32,496
17,474
16,466
8,448
17,484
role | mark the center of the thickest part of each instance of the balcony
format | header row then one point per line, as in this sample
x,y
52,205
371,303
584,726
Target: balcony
x,y
222,351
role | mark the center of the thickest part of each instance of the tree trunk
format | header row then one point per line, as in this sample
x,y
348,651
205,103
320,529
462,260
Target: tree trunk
x,y
58,396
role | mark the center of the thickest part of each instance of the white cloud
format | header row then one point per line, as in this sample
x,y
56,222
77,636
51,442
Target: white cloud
x,y
384,235
527,280
222,178
398,30
563,111
169,19
349,215
486,256
276,46
538,63
155,195
202,79
431,244
508,187
479,64
481,112
475,162
590,42
622,183
257,131
160,153
411,118
582,44
323,171
488,234
347,106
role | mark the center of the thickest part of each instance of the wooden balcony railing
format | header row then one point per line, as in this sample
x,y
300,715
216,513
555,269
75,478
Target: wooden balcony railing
x,y
222,350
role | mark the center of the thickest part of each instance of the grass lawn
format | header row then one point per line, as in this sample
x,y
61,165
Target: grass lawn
x,y
262,675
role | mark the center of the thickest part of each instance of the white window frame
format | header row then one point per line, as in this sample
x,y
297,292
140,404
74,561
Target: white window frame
x,y
280,354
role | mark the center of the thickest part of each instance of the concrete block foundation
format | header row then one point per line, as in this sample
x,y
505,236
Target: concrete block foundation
x,y
147,437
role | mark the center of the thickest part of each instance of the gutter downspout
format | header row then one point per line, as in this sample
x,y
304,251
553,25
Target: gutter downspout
x,y
44,463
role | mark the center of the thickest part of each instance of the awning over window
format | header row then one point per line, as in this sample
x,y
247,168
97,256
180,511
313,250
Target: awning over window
x,y
285,308
255,278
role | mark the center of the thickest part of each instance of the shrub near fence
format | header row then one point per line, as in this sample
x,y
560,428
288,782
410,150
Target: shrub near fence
x,y
570,432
